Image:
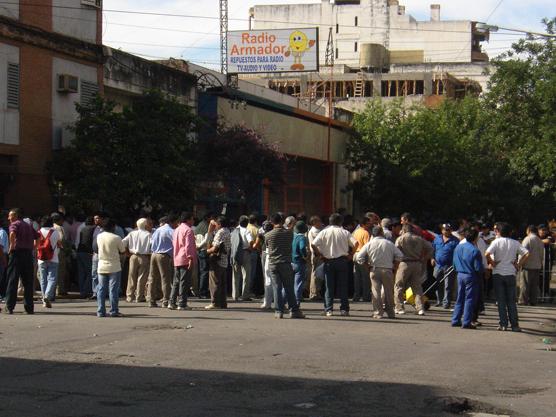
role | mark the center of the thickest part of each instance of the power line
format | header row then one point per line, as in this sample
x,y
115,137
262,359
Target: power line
x,y
188,16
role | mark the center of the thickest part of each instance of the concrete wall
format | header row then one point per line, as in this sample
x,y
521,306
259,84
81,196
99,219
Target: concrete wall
x,y
10,10
9,117
474,71
439,41
63,104
293,135
131,75
79,21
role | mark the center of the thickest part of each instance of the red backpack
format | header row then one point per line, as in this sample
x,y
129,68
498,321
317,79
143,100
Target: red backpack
x,y
45,251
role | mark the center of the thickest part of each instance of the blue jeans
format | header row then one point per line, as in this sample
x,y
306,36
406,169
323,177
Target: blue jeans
x,y
300,276
84,273
108,283
443,291
48,276
468,295
282,279
94,274
505,291
336,274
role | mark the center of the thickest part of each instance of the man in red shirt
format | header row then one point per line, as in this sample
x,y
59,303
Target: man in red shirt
x,y
22,238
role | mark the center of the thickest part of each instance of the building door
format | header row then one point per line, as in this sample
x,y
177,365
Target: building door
x,y
308,189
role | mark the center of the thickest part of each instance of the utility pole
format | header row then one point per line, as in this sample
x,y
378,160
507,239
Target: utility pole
x,y
224,36
329,57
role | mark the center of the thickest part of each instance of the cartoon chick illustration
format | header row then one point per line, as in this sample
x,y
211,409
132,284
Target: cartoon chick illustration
x,y
299,44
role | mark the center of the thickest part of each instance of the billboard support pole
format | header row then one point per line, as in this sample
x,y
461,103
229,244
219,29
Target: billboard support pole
x,y
224,36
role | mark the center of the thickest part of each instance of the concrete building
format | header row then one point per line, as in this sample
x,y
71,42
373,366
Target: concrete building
x,y
50,59
375,46
360,28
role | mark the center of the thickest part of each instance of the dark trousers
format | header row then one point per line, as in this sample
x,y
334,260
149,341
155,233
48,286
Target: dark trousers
x,y
181,285
203,274
282,279
3,280
480,306
336,275
217,286
20,266
468,292
505,290
84,271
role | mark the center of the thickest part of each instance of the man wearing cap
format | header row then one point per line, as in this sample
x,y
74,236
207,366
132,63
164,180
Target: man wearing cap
x,y
444,246
383,258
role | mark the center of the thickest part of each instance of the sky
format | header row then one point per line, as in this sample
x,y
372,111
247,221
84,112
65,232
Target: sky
x,y
194,36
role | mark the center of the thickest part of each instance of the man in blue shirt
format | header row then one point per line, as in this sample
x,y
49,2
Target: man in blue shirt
x,y
468,263
162,266
444,246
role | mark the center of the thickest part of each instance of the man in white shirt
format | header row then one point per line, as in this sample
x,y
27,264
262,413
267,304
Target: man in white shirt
x,y
47,260
383,258
335,245
503,254
110,246
138,243
242,285
529,275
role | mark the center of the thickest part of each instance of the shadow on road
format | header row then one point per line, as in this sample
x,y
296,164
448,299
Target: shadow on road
x,y
60,389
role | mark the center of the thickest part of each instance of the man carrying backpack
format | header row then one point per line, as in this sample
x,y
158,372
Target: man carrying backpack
x,y
48,245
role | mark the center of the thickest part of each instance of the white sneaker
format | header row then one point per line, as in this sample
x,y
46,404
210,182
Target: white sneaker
x,y
210,307
421,312
400,312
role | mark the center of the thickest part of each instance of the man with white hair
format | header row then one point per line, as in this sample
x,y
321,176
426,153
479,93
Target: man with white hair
x,y
138,244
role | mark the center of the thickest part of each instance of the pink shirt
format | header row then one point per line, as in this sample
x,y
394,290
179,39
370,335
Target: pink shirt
x,y
184,245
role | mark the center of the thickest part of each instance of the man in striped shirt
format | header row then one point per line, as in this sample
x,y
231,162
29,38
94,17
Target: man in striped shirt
x,y
279,246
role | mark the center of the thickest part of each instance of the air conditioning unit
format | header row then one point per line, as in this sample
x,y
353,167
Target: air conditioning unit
x,y
97,4
67,83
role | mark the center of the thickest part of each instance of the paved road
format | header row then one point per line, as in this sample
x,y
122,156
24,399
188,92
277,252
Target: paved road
x,y
243,362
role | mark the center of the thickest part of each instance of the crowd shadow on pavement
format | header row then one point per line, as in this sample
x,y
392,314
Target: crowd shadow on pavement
x,y
32,388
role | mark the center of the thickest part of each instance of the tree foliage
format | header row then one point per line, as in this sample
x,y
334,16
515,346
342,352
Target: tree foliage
x,y
490,157
240,157
151,156
143,157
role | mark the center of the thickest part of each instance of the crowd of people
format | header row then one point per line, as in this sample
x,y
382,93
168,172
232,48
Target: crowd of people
x,y
296,258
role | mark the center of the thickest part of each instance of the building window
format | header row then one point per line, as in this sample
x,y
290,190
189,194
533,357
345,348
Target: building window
x,y
89,91
355,47
337,28
13,86
355,21
336,53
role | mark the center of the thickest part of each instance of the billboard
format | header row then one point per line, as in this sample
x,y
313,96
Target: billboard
x,y
273,50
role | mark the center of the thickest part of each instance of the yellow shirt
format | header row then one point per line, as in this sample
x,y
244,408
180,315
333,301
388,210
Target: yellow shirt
x,y
362,237
253,230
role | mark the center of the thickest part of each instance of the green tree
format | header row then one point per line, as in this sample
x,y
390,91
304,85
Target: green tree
x,y
143,157
491,156
521,105
241,158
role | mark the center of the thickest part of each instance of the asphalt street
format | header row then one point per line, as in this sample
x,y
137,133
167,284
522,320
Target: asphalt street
x,y
66,362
